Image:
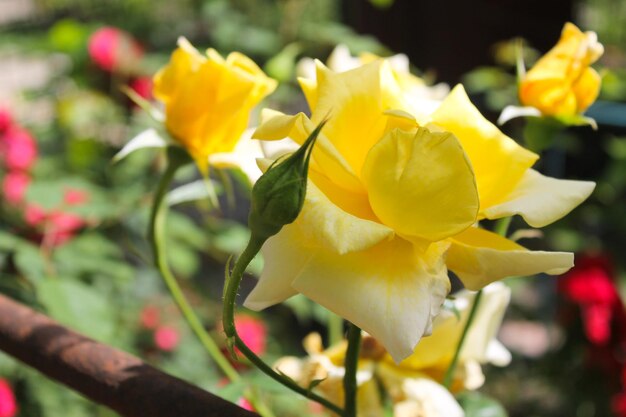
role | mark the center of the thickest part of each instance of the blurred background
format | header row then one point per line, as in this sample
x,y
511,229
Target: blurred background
x,y
72,224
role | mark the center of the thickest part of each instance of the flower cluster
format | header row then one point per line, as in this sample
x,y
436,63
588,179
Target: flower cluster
x,y
413,385
18,150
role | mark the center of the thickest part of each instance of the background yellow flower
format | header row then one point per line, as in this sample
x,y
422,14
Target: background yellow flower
x,y
562,83
208,99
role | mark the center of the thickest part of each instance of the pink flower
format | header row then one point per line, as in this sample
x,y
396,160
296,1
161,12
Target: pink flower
x,y
34,215
142,86
74,197
150,317
114,50
252,331
590,285
20,149
166,338
6,120
8,404
61,227
14,187
245,404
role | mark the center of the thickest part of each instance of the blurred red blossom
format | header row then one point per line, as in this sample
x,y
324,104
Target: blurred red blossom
x,y
142,86
8,404
14,186
252,331
19,149
166,338
149,318
6,119
114,50
590,285
245,404
73,197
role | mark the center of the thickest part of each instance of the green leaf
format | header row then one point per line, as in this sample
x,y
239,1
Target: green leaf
x,y
476,404
382,4
30,262
147,139
78,306
315,383
197,190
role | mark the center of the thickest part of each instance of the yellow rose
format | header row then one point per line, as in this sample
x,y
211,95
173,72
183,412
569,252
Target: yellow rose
x,y
411,395
208,99
390,203
562,83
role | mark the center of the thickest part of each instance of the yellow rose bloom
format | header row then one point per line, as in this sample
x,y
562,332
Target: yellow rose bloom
x,y
208,99
391,205
562,83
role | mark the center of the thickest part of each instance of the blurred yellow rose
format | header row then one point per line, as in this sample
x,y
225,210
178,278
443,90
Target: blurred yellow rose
x,y
562,83
415,395
390,204
208,99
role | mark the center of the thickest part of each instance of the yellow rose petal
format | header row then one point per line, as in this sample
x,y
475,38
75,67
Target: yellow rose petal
x,y
390,291
421,184
541,200
586,89
276,125
352,102
284,260
479,257
498,161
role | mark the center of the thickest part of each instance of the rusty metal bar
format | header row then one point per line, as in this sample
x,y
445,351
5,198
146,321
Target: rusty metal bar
x,y
101,373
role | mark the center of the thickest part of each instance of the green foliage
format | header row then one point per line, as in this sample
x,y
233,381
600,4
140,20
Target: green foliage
x,y
476,404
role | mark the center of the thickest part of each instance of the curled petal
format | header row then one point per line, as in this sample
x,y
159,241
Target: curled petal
x,y
421,184
541,200
479,257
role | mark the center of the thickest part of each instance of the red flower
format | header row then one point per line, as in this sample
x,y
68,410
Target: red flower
x,y
150,317
74,197
62,227
143,87
8,404
166,338
6,120
590,285
14,187
114,50
19,149
252,331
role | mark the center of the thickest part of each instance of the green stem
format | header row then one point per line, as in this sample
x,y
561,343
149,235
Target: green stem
x,y
232,286
351,365
501,228
447,381
335,328
157,237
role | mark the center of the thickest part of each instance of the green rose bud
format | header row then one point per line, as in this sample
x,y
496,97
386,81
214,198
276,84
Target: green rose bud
x,y
278,196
